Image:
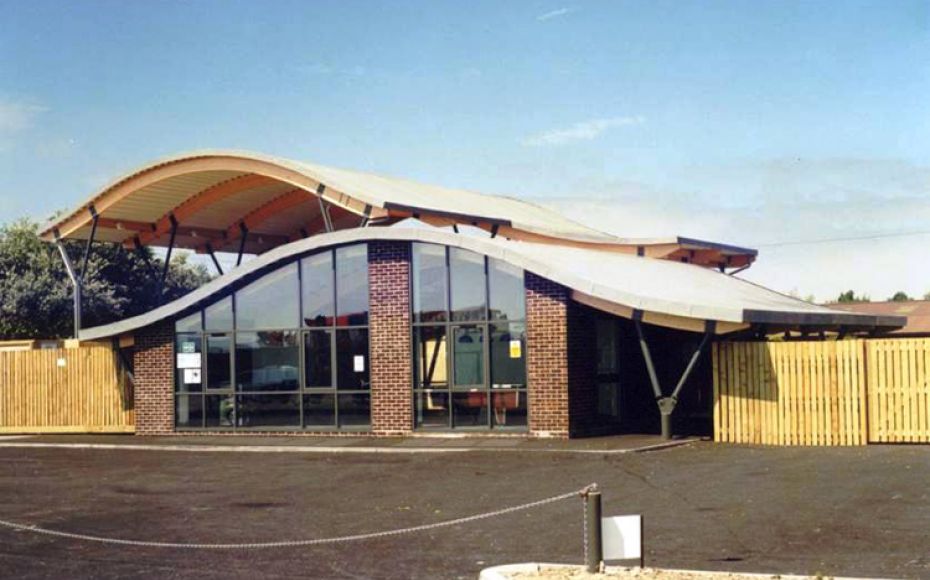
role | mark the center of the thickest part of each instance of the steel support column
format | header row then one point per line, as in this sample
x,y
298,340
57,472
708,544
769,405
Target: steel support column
x,y
75,281
667,404
90,241
324,208
216,262
164,270
243,236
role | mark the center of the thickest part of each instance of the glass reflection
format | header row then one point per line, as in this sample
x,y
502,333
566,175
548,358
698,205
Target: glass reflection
x,y
219,316
318,289
468,355
355,410
466,273
508,356
505,287
318,362
432,409
352,359
268,410
270,302
352,285
188,411
429,283
219,361
267,361
431,357
470,409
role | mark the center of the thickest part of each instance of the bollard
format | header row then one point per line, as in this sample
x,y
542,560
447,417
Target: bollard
x,y
592,518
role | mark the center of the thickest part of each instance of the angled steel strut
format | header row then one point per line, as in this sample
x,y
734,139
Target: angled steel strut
x,y
667,404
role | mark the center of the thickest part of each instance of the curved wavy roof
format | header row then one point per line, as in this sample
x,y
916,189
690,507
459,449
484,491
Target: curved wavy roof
x,y
666,293
234,200
211,192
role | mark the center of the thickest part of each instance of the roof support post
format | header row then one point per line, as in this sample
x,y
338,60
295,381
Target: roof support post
x,y
140,250
366,217
216,262
324,208
243,235
164,270
90,240
667,404
75,281
494,229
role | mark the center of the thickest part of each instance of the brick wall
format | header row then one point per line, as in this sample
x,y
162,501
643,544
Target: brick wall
x,y
153,366
389,335
547,310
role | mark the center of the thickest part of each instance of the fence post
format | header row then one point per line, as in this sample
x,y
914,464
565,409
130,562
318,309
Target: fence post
x,y
593,553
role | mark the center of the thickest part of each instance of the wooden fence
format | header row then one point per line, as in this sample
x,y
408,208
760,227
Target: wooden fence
x,y
849,392
70,390
790,393
899,396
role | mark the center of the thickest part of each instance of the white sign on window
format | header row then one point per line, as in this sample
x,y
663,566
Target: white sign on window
x,y
622,537
188,360
191,376
358,363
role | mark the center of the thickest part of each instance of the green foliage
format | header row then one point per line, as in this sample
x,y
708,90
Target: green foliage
x,y
900,296
850,296
35,292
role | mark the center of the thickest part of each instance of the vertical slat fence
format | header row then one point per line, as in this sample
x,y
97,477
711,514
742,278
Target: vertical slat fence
x,y
74,390
899,390
790,393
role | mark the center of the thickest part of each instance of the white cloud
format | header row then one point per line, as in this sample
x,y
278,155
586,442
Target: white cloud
x,y
816,208
583,131
555,14
16,117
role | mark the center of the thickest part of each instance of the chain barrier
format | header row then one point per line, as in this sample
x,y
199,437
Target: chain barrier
x,y
292,543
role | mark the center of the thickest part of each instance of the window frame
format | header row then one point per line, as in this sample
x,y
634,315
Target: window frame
x,y
449,325
299,332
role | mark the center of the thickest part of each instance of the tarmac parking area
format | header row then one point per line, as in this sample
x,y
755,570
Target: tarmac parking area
x,y
845,511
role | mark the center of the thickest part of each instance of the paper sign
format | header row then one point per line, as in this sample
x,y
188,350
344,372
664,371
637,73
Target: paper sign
x,y
622,537
358,363
61,362
516,349
191,376
188,360
188,347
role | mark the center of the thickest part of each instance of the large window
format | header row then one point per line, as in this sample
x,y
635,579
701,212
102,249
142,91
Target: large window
x,y
469,338
287,350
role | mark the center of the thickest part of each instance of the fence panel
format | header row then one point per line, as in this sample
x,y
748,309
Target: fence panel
x,y
899,390
790,393
72,390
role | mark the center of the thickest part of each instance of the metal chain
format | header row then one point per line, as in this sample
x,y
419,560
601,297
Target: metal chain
x,y
289,543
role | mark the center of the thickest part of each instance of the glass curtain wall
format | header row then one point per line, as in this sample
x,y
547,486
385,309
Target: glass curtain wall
x,y
469,337
289,350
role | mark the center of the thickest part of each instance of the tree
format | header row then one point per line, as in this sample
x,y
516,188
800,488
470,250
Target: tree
x,y
35,291
900,296
850,296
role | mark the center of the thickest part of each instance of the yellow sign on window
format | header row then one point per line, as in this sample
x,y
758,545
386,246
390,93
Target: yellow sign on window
x,y
516,349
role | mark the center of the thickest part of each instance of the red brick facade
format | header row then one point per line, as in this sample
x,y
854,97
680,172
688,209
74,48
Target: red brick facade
x,y
547,311
389,338
153,371
561,361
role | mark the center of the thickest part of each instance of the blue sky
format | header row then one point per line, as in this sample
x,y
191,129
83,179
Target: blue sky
x,y
753,123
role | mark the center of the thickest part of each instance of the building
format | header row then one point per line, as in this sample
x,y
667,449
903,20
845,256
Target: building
x,y
350,321
917,313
